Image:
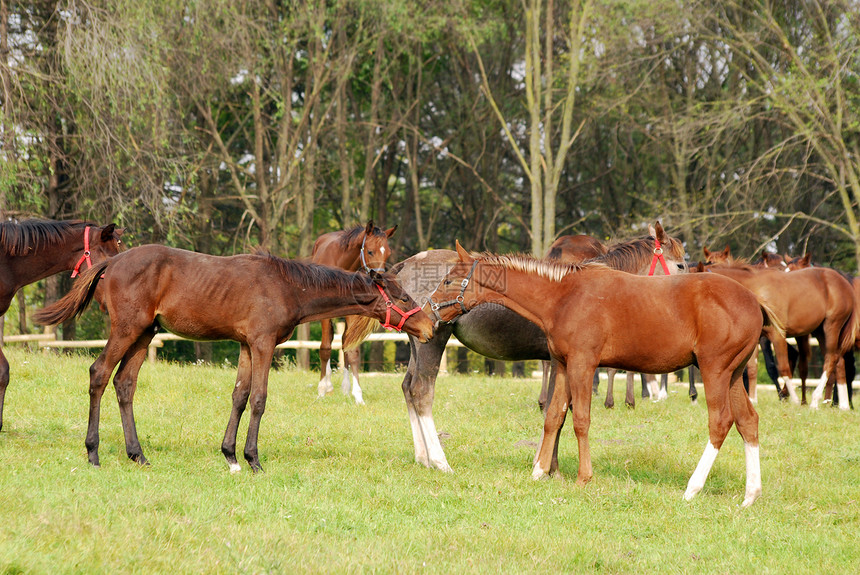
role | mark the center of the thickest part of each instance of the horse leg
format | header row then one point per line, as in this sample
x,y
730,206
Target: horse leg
x,y
352,359
4,383
325,386
717,383
546,456
752,378
544,384
609,402
550,386
125,383
100,372
419,387
241,391
646,392
804,353
842,384
746,421
780,351
595,384
630,396
663,391
770,365
581,413
694,395
261,363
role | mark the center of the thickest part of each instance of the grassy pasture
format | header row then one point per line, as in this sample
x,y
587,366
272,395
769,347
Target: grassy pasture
x,y
342,494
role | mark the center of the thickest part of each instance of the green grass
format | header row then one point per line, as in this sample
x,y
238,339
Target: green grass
x,y
341,492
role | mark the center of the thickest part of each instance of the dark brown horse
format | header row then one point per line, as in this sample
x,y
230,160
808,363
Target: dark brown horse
x,y
811,301
35,249
359,248
491,330
595,316
256,300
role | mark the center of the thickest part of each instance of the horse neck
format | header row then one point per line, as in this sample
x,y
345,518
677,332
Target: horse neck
x,y
532,296
624,260
43,262
327,302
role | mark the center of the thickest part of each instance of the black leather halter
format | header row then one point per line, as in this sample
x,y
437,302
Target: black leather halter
x,y
435,307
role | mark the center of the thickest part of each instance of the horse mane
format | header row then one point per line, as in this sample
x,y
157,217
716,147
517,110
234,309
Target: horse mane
x,y
739,264
17,238
317,275
357,329
352,234
551,270
627,256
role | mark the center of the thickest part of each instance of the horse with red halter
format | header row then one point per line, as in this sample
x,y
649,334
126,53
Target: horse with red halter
x,y
359,248
811,301
596,316
576,249
256,300
31,250
491,330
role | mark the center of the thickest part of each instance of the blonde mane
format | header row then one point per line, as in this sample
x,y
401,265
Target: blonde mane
x,y
549,269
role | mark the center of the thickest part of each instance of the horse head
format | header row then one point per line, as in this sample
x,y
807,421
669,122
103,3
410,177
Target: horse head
x,y
374,247
386,297
721,257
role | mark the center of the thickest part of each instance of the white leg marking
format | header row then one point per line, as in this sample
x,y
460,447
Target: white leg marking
x,y
819,391
753,490
538,472
662,394
697,481
235,468
791,393
435,453
325,385
356,391
417,437
842,389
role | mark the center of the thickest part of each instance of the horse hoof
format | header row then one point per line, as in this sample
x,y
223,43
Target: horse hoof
x,y
235,467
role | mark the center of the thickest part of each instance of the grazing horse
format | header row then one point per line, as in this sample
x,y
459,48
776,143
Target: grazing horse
x,y
35,249
596,316
816,301
491,330
255,300
359,248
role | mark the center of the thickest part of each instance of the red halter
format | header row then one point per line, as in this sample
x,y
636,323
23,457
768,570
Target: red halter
x,y
658,254
404,315
86,256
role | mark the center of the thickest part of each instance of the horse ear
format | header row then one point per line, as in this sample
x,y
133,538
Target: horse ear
x,y
108,230
368,229
377,278
390,232
806,259
700,267
728,251
461,251
706,251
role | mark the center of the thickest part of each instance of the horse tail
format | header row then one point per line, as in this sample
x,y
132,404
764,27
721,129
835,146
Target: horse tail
x,y
848,335
358,327
76,301
771,319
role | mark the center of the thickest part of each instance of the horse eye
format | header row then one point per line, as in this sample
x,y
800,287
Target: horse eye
x,y
447,282
370,252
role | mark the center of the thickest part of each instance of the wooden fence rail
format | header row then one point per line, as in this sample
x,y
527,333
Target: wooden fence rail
x,y
48,340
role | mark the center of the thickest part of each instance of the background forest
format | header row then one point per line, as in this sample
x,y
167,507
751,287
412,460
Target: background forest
x,y
222,126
